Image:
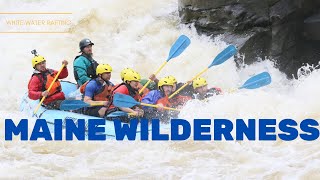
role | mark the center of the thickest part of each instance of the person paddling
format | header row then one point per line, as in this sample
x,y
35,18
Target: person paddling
x,y
178,100
41,80
201,90
160,98
99,89
130,86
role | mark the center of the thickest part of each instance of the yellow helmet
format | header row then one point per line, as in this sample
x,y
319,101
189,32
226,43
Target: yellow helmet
x,y
124,71
36,60
103,68
165,81
172,78
132,76
199,82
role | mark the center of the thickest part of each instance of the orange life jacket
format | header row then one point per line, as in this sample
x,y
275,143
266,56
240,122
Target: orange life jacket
x,y
144,92
103,94
46,79
164,101
83,87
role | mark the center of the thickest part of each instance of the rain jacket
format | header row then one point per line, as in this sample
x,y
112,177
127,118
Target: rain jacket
x,y
84,69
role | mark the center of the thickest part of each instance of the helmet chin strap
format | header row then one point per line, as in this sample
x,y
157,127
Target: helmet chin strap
x,y
107,81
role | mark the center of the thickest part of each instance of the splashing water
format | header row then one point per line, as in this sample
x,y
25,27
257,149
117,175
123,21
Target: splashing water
x,y
139,34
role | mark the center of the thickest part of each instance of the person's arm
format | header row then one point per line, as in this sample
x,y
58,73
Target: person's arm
x,y
81,68
154,78
150,98
89,93
64,73
34,88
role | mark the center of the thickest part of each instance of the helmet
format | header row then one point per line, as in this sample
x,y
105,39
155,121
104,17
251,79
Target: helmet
x,y
172,78
36,60
124,71
165,81
199,82
84,43
103,68
132,76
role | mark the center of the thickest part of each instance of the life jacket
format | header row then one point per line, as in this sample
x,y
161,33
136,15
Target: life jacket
x,y
133,93
91,70
103,94
83,87
211,92
46,79
164,101
179,100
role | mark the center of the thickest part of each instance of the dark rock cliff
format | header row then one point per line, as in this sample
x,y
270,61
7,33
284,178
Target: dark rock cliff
x,y
285,30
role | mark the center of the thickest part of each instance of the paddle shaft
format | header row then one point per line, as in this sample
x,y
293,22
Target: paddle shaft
x,y
44,97
156,106
199,74
97,103
141,90
77,104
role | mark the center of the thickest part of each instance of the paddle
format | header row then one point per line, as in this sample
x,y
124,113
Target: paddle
x,y
44,97
119,113
257,81
219,59
77,104
122,100
176,49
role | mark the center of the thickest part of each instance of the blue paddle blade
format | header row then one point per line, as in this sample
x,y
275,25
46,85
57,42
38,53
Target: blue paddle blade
x,y
257,81
122,100
178,47
72,104
224,55
118,114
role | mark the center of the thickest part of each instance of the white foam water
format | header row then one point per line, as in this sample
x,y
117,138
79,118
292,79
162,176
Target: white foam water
x,y
139,34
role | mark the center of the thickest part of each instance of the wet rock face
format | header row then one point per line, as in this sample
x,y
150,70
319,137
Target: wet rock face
x,y
285,30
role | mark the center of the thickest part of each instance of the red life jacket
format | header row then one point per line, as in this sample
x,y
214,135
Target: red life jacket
x,y
128,90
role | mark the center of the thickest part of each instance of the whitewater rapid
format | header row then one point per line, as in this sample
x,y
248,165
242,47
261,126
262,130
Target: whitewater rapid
x,y
139,34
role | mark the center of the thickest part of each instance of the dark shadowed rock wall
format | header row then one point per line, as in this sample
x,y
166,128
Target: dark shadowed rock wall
x,y
285,30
